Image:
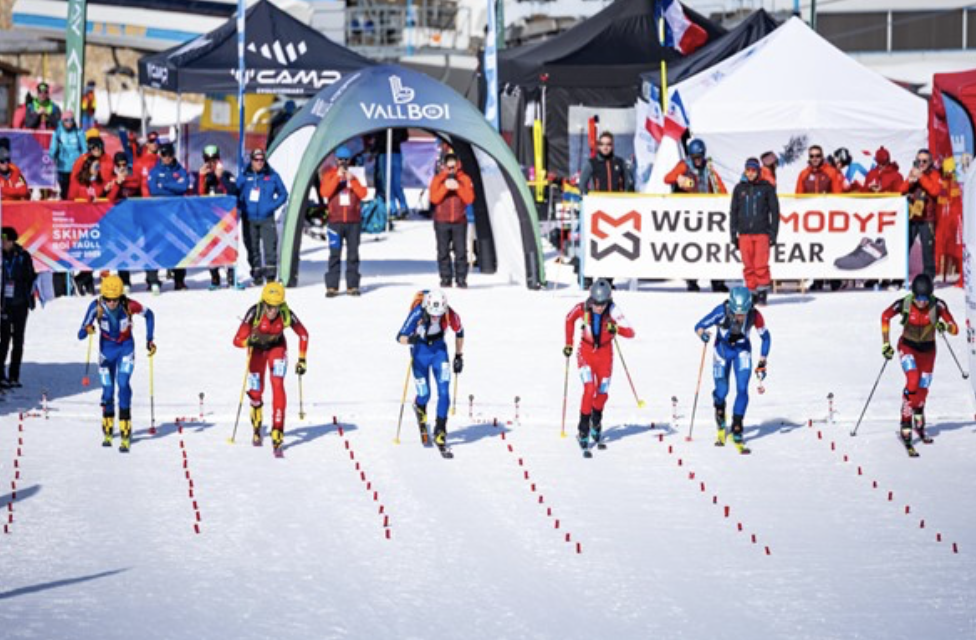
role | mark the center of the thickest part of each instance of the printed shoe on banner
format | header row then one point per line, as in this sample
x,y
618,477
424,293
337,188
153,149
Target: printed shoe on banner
x,y
867,253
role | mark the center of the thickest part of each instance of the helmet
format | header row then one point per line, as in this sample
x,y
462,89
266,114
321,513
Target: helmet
x,y
696,148
922,286
112,287
740,300
842,156
600,292
435,303
273,294
343,153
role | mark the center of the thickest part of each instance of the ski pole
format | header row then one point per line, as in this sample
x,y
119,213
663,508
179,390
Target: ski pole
x,y
454,398
240,404
301,399
403,400
694,406
152,400
870,395
640,403
565,394
965,375
85,380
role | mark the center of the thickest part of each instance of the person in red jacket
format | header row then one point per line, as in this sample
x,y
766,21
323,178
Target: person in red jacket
x,y
13,186
96,150
262,332
124,185
922,185
922,315
948,225
345,194
89,184
148,159
451,191
818,176
884,177
601,321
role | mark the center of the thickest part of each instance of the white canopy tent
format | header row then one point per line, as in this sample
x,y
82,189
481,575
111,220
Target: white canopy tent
x,y
788,91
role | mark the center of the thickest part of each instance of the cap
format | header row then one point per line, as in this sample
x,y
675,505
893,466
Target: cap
x,y
343,153
211,151
4,154
257,153
120,157
166,148
43,87
752,163
882,156
9,233
152,136
67,114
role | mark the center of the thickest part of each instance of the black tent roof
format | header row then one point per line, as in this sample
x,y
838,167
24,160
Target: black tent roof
x,y
610,49
754,28
282,56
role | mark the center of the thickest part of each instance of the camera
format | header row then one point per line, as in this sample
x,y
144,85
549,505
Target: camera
x,y
452,176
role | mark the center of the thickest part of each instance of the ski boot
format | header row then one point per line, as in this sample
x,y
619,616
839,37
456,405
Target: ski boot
x,y
108,427
583,435
125,429
737,440
905,435
257,417
918,421
596,428
277,440
421,413
720,424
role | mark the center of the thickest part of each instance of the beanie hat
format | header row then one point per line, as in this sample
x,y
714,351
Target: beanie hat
x,y
882,156
752,163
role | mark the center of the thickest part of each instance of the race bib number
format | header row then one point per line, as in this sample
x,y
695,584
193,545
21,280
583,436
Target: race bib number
x,y
745,361
344,199
445,375
255,195
278,367
127,364
254,382
8,290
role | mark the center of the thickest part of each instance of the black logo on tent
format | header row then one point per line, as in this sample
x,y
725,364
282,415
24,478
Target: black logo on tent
x,y
282,54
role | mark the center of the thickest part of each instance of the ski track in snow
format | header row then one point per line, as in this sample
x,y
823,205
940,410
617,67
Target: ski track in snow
x,y
102,545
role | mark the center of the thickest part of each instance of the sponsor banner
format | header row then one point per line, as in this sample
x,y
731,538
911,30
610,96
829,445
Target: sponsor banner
x,y
136,234
28,150
832,237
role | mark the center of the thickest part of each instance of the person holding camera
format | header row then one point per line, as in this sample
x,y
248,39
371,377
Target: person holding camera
x,y
344,193
451,191
922,185
169,178
96,152
213,180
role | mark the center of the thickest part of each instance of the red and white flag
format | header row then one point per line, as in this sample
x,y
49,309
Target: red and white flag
x,y
654,121
679,31
676,122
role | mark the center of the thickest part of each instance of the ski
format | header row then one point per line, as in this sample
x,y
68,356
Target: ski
x,y
602,446
424,436
927,439
278,453
909,447
445,451
742,448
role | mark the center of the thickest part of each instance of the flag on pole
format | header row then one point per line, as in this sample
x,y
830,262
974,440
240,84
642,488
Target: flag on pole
x,y
676,121
680,32
654,121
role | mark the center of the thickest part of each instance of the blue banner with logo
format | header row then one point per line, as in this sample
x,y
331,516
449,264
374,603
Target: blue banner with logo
x,y
28,150
136,234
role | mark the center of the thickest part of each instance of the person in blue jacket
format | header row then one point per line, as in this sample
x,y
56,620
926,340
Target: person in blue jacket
x,y
425,329
111,315
260,193
733,320
168,178
67,145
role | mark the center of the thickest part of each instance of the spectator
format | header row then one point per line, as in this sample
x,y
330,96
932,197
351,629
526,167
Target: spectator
x,y
344,193
280,119
89,184
948,226
67,145
884,177
754,224
42,113
922,186
124,185
697,177
168,178
605,171
770,161
261,193
148,159
87,107
397,207
818,176
17,286
13,186
451,191
96,149
213,180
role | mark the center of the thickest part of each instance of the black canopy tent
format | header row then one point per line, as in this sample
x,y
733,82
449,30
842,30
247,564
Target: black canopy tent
x,y
597,62
753,29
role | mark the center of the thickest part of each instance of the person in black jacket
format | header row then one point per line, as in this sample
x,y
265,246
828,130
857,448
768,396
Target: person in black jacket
x,y
17,286
605,171
754,224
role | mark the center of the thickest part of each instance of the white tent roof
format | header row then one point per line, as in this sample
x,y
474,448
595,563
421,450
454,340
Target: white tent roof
x,y
792,89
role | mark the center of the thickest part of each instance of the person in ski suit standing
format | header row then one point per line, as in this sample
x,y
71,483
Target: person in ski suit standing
x,y
733,319
262,332
922,314
111,315
601,321
425,330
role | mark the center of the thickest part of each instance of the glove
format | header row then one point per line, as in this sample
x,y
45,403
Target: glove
x,y
888,351
458,363
413,339
151,348
568,350
90,329
772,240
761,369
735,241
301,367
941,326
612,328
705,336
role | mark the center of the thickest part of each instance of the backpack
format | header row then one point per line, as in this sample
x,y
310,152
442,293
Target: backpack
x,y
374,216
906,309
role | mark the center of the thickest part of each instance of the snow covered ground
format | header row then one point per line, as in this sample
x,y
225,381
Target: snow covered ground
x,y
103,545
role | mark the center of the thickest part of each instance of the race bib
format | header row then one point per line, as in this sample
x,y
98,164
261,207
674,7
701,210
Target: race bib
x,y
8,290
344,199
255,195
278,367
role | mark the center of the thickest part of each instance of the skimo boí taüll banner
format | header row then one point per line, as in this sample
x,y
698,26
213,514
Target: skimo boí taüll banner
x,y
833,237
136,234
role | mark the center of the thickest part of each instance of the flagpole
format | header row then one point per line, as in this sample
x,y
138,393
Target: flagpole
x,y
664,66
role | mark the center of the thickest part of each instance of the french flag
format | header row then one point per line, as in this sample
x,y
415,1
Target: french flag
x,y
654,121
679,32
676,121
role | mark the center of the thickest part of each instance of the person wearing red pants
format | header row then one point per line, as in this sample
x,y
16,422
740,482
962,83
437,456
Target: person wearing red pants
x,y
263,333
600,321
753,225
922,314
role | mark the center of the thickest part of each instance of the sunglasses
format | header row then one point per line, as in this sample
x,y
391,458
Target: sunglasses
x,y
605,144
4,161
259,159
814,156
